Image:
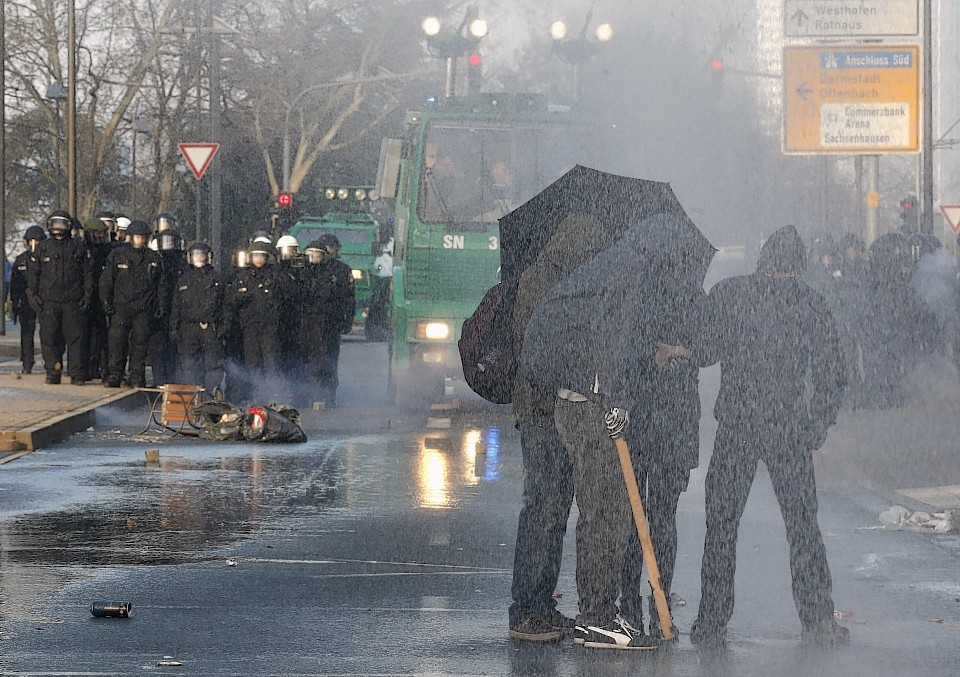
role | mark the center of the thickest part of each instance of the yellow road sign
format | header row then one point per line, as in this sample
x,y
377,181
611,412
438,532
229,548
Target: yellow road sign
x,y
851,100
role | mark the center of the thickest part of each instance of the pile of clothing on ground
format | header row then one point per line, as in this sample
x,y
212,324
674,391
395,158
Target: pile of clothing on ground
x,y
257,423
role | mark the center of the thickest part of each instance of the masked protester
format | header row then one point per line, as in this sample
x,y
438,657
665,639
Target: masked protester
x,y
60,289
254,301
196,320
334,301
162,353
131,290
97,232
781,382
22,311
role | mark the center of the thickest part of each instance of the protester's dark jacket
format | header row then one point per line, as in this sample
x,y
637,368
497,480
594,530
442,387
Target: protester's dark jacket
x,y
597,331
63,272
776,341
132,281
255,297
577,240
197,298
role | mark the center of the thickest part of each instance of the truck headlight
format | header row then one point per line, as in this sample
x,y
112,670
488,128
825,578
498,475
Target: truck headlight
x,y
433,331
357,274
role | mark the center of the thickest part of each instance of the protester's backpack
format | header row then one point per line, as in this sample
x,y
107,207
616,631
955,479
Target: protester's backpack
x,y
486,346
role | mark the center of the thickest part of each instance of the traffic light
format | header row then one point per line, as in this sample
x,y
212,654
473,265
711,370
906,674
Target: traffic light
x,y
474,72
909,214
285,200
715,66
283,213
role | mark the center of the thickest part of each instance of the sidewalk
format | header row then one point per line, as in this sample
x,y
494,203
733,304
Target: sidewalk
x,y
34,414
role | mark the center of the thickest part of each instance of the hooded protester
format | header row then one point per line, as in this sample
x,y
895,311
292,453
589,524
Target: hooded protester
x,y
781,381
600,338
60,289
547,469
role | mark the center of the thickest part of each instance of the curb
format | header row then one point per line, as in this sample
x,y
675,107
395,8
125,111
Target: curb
x,y
55,429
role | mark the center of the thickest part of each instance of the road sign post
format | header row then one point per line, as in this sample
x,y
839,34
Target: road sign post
x,y
198,156
851,100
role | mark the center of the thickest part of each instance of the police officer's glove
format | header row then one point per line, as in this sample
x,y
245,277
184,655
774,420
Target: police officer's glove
x,y
15,309
35,302
109,310
616,421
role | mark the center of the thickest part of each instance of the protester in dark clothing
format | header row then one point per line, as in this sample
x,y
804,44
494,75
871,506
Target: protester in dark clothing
x,y
162,352
60,289
780,389
22,310
132,290
898,327
600,337
254,301
547,468
334,299
196,321
96,230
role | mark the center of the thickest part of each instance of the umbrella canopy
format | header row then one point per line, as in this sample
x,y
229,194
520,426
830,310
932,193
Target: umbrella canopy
x,y
621,202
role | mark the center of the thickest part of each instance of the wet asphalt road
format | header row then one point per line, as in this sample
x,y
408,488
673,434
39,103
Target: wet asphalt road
x,y
389,551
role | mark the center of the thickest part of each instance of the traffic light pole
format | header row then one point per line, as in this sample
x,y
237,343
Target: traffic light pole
x,y
871,170
3,173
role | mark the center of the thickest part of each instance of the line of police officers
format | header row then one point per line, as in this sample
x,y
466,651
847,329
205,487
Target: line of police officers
x,y
117,295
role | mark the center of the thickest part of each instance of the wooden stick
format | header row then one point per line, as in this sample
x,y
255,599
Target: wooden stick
x,y
646,545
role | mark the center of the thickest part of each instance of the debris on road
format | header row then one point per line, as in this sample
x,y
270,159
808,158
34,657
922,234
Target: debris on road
x,y
898,517
102,609
231,562
873,567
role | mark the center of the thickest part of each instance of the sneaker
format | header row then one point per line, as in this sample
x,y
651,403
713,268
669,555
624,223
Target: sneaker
x,y
826,634
618,634
708,636
27,368
111,383
558,620
536,629
53,379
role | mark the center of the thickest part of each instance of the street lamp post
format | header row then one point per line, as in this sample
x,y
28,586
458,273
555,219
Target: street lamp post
x,y
579,50
57,93
138,126
452,46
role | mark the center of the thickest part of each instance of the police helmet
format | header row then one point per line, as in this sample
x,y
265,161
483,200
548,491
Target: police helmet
x,y
258,248
138,227
108,219
288,247
199,254
94,225
164,221
34,233
170,240
59,223
123,223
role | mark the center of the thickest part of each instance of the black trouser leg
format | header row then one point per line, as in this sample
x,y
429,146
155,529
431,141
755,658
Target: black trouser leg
x,y
75,337
547,497
327,378
28,326
732,469
51,337
118,337
191,354
791,471
139,344
212,359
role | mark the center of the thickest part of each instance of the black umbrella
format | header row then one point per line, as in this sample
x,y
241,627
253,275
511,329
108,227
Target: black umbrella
x,y
619,201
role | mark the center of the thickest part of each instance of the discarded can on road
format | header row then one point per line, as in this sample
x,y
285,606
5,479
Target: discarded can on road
x,y
111,609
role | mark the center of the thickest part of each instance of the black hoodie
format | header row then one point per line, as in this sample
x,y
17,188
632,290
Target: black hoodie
x,y
776,341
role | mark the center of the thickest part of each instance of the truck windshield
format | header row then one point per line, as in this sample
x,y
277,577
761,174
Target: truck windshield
x,y
476,175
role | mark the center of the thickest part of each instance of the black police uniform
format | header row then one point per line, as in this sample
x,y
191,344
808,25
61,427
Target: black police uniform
x,y
97,352
61,286
22,311
162,352
131,290
196,325
332,303
254,301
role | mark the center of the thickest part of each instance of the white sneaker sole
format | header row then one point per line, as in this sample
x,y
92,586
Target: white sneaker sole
x,y
609,645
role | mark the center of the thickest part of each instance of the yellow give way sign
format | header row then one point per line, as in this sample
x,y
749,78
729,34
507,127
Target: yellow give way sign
x,y
851,100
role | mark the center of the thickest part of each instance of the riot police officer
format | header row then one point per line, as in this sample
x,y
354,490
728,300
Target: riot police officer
x,y
162,353
60,289
196,320
335,300
131,290
291,266
254,301
22,312
97,232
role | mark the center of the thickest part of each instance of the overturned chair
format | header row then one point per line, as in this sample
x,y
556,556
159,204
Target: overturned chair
x,y
173,409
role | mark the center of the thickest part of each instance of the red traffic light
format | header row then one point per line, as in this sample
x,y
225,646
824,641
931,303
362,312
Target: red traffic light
x,y
906,203
474,59
285,199
716,64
